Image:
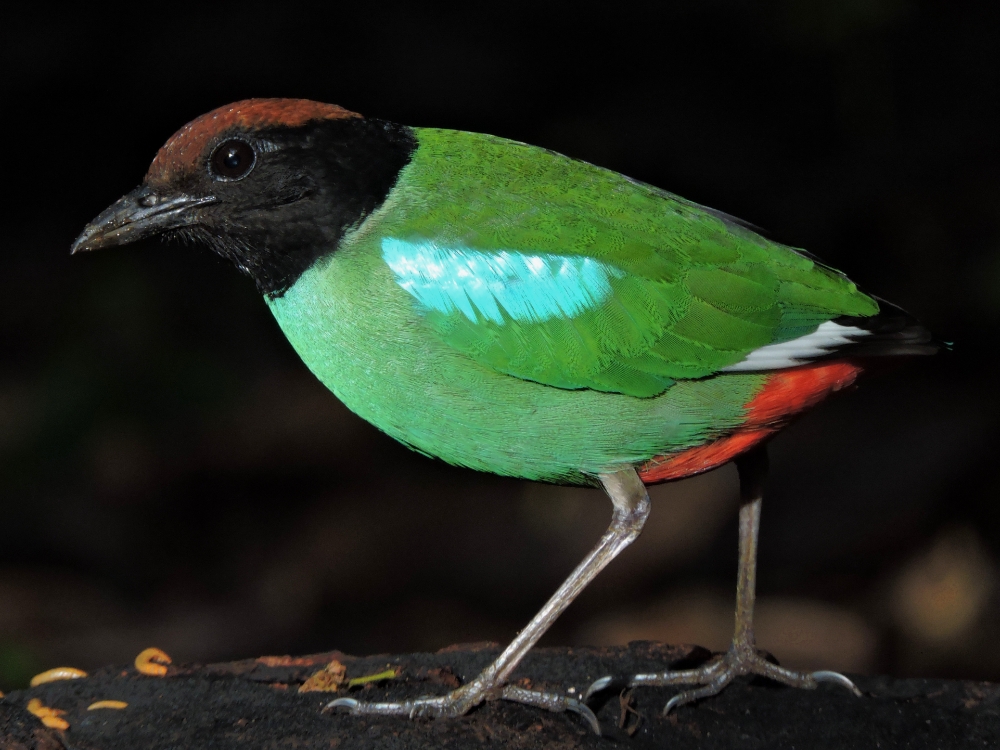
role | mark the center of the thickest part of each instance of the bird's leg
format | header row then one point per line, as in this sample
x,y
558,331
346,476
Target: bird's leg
x,y
631,507
742,657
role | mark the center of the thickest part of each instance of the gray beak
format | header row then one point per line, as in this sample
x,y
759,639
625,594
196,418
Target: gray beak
x,y
141,213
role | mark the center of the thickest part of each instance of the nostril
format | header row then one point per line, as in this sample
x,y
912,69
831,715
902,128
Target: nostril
x,y
148,201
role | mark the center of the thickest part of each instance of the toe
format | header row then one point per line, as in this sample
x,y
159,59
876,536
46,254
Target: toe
x,y
551,702
597,686
348,703
836,678
583,710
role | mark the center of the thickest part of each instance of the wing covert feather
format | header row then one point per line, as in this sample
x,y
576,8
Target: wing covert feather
x,y
557,271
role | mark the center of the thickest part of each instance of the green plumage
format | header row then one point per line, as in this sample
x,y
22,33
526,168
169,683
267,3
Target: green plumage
x,y
632,375
508,309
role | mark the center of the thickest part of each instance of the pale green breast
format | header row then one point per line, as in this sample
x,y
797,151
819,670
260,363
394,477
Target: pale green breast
x,y
362,336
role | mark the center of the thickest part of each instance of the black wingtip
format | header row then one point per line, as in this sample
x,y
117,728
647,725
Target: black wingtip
x,y
893,333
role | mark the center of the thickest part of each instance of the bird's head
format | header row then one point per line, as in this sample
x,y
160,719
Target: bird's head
x,y
270,184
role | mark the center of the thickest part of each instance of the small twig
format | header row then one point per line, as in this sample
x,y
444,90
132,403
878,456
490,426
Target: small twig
x,y
625,704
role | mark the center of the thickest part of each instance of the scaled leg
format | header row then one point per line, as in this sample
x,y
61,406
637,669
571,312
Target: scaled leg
x,y
742,657
631,507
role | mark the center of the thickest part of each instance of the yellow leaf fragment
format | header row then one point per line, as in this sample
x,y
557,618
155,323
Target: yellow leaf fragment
x,y
59,673
388,674
107,704
152,662
50,717
326,680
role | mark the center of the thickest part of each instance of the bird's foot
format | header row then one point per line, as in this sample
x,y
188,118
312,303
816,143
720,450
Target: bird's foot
x,y
460,701
719,672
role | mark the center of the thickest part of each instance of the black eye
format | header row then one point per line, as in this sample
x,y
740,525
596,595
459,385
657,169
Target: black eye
x,y
233,160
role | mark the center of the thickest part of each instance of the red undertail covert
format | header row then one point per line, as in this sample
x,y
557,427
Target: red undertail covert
x,y
785,394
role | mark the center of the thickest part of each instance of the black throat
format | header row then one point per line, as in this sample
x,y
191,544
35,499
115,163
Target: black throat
x,y
311,185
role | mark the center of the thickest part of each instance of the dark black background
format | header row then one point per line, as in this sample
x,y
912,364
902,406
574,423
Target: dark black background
x,y
171,475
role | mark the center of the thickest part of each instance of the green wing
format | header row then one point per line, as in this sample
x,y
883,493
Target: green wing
x,y
553,270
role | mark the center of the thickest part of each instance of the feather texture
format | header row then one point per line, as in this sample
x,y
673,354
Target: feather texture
x,y
556,271
514,311
828,337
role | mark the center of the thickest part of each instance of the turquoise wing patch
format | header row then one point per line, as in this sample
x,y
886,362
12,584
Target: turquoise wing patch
x,y
499,286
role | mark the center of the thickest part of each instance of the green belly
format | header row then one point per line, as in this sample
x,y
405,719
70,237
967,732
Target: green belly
x,y
363,337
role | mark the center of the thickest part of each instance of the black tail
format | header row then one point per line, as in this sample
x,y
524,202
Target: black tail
x,y
893,332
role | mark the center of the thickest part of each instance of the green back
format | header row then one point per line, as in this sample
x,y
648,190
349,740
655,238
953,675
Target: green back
x,y
693,291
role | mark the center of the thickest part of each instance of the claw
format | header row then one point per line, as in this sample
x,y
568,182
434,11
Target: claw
x,y
582,710
672,704
714,676
825,675
349,703
597,686
552,702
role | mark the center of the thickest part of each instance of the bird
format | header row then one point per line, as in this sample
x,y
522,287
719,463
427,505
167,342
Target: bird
x,y
508,309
